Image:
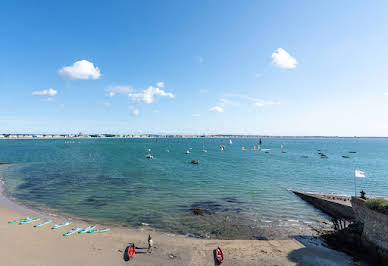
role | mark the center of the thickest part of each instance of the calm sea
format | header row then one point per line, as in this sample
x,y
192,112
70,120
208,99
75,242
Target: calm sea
x,y
244,193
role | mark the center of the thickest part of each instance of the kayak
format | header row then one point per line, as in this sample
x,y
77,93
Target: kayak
x,y
131,251
219,255
74,230
30,221
98,231
19,221
87,229
60,225
43,223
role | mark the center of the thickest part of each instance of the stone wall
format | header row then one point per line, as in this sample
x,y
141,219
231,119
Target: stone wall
x,y
334,209
375,224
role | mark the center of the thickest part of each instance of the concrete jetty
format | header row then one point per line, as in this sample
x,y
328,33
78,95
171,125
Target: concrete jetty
x,y
338,207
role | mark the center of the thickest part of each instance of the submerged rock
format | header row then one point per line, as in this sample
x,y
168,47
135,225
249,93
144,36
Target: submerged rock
x,y
197,211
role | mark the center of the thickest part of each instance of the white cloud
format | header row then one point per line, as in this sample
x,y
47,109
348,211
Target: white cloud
x,y
149,94
203,91
135,112
224,101
113,90
156,111
282,59
199,59
261,103
50,92
105,104
258,75
160,84
80,70
196,115
217,109
385,93
256,101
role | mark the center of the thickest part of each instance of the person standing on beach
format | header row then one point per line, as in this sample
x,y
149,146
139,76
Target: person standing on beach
x,y
149,244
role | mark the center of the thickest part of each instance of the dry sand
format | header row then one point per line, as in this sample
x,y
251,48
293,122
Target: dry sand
x,y
25,245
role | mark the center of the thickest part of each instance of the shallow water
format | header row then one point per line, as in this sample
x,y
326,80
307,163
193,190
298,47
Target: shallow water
x,y
245,192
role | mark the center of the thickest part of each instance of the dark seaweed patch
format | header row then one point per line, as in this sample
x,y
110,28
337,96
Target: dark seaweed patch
x,y
95,202
232,200
211,206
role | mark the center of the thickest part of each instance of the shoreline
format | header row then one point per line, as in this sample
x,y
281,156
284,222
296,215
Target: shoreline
x,y
45,246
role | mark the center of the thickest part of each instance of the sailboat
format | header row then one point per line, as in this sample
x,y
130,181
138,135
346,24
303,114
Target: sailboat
x,y
187,152
230,142
203,147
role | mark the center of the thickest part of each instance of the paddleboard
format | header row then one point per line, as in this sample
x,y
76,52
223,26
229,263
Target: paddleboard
x,y
99,231
60,225
19,221
87,229
30,221
72,231
43,223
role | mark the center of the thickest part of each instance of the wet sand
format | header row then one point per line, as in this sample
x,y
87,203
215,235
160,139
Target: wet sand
x,y
25,245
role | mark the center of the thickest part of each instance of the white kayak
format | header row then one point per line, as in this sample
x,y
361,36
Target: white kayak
x,y
43,223
87,229
30,221
60,225
74,230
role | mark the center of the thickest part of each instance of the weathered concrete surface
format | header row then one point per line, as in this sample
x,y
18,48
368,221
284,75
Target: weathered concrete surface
x,y
375,224
338,207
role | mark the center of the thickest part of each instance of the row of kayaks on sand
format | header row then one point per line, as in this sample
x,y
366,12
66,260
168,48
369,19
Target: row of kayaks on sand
x,y
90,229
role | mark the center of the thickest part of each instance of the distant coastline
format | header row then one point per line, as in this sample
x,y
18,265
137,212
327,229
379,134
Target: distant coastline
x,y
150,136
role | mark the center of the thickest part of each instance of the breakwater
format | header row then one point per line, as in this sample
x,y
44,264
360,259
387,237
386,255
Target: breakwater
x,y
338,207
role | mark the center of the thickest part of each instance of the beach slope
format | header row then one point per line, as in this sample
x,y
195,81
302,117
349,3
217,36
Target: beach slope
x,y
25,245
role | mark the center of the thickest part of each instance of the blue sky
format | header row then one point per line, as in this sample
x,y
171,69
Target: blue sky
x,y
194,67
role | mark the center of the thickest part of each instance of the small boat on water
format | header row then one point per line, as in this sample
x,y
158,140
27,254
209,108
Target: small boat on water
x,y
222,147
194,162
99,231
219,255
30,221
61,225
304,156
203,147
74,230
188,152
43,223
230,142
149,156
91,227
346,157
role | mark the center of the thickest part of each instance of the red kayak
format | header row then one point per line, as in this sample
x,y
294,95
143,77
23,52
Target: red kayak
x,y
131,251
219,255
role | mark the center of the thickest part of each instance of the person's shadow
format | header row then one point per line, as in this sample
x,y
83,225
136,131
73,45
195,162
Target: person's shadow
x,y
215,257
125,255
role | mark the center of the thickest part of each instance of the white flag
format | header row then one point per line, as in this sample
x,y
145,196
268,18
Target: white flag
x,y
359,173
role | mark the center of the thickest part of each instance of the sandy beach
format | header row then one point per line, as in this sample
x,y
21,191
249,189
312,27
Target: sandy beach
x,y
25,245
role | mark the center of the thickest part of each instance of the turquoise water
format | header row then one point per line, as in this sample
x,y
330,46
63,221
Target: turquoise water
x,y
111,180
